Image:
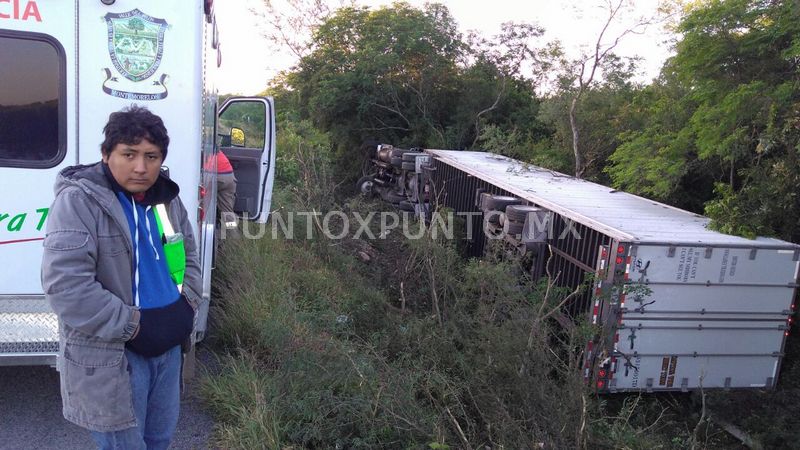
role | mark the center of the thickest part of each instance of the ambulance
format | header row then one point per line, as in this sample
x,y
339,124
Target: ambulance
x,y
64,67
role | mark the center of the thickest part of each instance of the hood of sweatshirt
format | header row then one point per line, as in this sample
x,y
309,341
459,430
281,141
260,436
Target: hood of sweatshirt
x,y
93,180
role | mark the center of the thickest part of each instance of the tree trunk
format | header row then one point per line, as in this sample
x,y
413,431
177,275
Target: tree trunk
x,y
573,124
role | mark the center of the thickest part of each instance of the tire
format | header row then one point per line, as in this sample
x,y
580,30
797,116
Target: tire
x,y
482,196
498,202
411,156
397,161
366,186
514,228
518,213
478,197
411,166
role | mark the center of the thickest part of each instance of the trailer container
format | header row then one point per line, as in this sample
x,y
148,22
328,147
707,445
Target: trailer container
x,y
678,306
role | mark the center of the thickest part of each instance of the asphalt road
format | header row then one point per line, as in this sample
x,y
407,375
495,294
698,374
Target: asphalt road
x,y
30,415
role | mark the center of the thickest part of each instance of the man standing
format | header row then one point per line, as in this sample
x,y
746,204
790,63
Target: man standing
x,y
124,305
226,189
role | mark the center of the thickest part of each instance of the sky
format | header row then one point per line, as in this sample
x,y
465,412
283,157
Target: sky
x,y
249,61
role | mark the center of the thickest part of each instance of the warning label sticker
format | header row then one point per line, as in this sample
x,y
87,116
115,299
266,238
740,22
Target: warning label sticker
x,y
687,264
668,367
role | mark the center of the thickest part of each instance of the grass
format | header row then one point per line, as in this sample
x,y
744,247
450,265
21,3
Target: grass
x,y
416,348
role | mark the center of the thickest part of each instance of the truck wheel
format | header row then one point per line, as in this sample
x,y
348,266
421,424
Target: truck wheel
x,y
518,213
482,196
397,161
366,185
513,228
498,202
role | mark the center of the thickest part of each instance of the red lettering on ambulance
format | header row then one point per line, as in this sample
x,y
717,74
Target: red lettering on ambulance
x,y
4,16
31,11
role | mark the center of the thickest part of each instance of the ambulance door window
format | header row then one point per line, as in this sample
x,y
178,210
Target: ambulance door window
x,y
241,132
32,100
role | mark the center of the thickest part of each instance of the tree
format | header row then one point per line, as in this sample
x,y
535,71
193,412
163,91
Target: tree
x,y
291,23
136,25
727,110
582,73
514,51
406,76
599,117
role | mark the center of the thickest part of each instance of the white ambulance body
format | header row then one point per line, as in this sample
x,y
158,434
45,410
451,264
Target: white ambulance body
x,y
64,67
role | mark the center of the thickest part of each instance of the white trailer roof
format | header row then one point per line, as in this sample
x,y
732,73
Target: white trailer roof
x,y
621,215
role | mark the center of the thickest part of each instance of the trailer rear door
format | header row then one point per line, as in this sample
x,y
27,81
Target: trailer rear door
x,y
708,317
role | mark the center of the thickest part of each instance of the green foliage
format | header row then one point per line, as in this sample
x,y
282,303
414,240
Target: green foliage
x,y
724,112
295,141
601,117
372,72
445,353
250,117
404,76
657,156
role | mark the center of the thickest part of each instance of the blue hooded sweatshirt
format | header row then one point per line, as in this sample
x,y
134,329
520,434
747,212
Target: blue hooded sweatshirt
x,y
167,318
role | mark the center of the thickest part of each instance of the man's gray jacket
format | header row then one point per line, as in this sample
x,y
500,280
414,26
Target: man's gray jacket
x,y
87,276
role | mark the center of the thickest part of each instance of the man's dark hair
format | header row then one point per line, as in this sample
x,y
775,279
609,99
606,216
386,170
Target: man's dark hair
x,y
132,124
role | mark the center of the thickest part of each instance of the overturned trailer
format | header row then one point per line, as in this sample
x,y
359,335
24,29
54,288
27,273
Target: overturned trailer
x,y
680,307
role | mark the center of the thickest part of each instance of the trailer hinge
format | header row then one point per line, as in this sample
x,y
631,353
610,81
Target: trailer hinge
x,y
727,382
649,385
709,251
770,382
684,385
753,252
671,251
796,256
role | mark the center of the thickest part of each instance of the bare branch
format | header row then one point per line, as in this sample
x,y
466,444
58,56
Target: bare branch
x,y
393,110
594,62
292,23
486,110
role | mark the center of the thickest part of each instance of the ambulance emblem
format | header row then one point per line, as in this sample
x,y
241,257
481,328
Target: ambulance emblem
x,y
135,45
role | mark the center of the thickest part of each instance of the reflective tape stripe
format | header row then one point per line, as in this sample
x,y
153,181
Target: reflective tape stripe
x,y
166,225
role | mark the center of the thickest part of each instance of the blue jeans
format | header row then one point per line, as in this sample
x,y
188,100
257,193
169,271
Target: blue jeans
x,y
156,402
